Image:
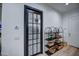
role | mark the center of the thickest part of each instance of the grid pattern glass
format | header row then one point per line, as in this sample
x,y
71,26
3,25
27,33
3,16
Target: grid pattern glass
x,y
33,32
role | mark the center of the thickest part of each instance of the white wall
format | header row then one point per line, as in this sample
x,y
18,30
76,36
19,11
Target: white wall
x,y
13,15
0,13
12,40
71,27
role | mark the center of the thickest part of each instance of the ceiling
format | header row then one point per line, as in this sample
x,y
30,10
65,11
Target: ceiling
x,y
61,7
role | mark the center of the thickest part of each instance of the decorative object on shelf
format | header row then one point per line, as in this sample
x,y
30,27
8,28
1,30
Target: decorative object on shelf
x,y
54,39
49,33
48,30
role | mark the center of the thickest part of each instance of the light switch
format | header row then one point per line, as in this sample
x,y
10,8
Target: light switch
x,y
16,38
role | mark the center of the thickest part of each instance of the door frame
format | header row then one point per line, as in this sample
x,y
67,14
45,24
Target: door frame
x,y
26,29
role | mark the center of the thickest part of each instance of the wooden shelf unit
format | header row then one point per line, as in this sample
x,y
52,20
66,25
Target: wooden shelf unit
x,y
54,45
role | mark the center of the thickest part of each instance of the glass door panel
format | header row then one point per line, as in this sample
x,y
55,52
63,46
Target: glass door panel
x,y
34,32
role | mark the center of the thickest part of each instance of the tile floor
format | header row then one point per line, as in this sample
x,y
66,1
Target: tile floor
x,y
66,51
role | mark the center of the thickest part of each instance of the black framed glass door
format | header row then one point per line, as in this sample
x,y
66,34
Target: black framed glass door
x,y
33,31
